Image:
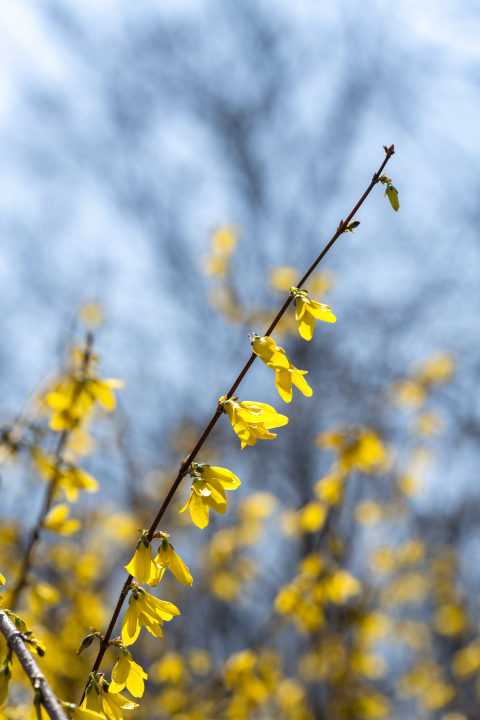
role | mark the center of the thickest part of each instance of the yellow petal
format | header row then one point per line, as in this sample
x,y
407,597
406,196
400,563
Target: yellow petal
x,y
306,326
226,477
321,311
300,305
198,510
121,669
135,684
283,381
130,625
179,569
301,383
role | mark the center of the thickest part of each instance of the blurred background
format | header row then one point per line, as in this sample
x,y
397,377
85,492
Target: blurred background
x,y
168,171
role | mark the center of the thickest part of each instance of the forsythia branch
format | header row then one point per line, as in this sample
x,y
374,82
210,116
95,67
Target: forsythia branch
x,y
187,463
31,669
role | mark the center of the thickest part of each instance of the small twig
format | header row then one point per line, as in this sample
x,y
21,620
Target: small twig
x,y
64,435
186,464
39,683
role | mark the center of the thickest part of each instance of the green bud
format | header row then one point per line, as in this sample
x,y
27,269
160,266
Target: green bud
x,y
86,642
164,544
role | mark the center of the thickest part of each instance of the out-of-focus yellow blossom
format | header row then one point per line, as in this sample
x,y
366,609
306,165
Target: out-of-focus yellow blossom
x,y
341,586
427,424
128,673
91,315
68,477
170,668
312,516
415,634
449,620
72,399
200,661
408,588
411,484
142,565
168,558
438,369
410,552
330,488
356,448
466,662
2,580
282,278
251,420
368,512
208,491
383,560
320,282
370,666
56,520
145,610
306,311
407,393
43,593
224,241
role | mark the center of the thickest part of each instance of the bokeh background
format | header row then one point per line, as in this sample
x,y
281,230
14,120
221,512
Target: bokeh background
x,y
129,133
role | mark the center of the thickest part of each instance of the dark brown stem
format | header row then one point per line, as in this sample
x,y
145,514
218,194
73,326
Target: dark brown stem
x,y
183,470
50,494
17,644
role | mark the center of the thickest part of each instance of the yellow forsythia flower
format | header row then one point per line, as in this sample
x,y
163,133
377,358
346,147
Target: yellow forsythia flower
x,y
208,491
2,580
251,420
168,558
285,373
56,520
81,713
145,610
142,565
307,310
99,700
392,195
129,673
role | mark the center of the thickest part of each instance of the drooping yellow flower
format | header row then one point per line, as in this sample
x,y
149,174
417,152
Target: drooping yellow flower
x,y
285,373
307,310
56,520
81,713
168,558
98,699
268,351
208,491
145,610
128,673
142,566
251,420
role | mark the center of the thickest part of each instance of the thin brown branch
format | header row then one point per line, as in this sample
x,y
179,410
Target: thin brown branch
x,y
183,470
50,494
17,644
